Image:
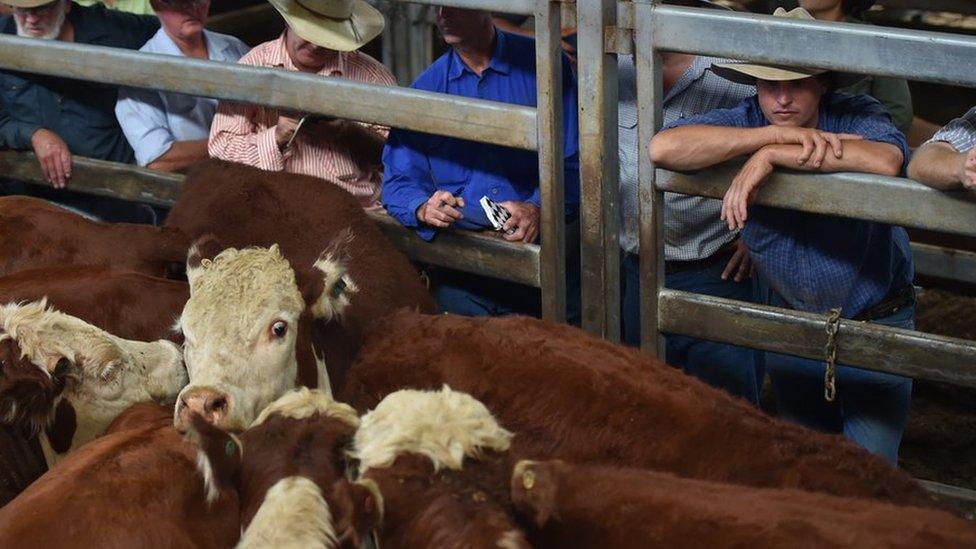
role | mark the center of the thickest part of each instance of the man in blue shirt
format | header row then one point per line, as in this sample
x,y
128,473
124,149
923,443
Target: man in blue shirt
x,y
812,262
433,182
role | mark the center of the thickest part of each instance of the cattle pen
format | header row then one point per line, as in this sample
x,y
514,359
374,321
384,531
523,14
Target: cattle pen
x,y
605,28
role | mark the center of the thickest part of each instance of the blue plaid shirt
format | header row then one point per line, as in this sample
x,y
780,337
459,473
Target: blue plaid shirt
x,y
817,262
417,164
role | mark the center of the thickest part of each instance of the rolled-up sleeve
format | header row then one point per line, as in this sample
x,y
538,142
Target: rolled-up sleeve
x,y
960,133
235,138
142,116
407,182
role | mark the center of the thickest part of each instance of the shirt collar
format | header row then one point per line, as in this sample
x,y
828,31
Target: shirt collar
x,y
86,29
498,62
334,66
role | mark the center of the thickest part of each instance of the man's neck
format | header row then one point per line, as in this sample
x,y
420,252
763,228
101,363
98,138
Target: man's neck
x,y
476,52
674,65
830,14
195,47
67,33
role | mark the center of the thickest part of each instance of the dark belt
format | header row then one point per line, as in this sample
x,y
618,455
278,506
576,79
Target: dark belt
x,y
724,254
891,304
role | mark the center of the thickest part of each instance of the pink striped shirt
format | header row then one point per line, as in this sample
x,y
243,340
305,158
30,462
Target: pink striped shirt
x,y
245,133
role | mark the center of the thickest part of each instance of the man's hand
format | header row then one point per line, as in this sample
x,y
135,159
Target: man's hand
x,y
815,143
740,265
967,171
53,155
750,177
524,223
284,129
440,210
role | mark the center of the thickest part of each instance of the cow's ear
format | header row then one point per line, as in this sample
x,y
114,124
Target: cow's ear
x,y
533,491
202,252
327,287
358,508
219,456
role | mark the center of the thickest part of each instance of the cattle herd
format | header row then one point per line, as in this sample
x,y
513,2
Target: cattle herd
x,y
267,370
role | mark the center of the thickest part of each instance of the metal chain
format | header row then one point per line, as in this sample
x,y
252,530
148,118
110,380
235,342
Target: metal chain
x,y
830,351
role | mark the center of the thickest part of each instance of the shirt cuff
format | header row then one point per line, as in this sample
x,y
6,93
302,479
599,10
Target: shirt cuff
x,y
22,135
270,157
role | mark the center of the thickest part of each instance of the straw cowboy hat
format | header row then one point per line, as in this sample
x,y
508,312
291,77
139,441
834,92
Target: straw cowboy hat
x,y
341,25
27,3
748,73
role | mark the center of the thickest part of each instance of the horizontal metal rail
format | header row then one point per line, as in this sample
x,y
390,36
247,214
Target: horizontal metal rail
x,y
871,346
462,250
863,196
946,263
474,119
520,7
918,55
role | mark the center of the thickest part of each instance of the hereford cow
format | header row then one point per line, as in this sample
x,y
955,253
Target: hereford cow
x,y
244,207
596,507
126,304
441,464
37,234
68,379
137,486
572,396
288,470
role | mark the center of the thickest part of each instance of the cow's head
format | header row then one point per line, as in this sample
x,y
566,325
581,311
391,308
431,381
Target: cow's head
x,y
241,326
288,470
56,366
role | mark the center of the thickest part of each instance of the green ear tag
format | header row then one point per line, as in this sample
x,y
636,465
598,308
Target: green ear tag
x,y
230,448
338,288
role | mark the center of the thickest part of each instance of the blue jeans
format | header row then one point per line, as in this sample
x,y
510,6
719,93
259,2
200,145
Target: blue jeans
x,y
870,408
472,295
736,369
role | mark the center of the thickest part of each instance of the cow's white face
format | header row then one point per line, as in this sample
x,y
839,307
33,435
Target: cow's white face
x,y
241,325
98,374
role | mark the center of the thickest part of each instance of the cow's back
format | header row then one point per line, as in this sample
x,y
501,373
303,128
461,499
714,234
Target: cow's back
x,y
127,304
137,486
568,395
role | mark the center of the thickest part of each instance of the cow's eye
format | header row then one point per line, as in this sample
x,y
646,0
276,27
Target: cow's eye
x,y
279,329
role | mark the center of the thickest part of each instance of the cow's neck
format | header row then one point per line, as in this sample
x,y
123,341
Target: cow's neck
x,y
294,514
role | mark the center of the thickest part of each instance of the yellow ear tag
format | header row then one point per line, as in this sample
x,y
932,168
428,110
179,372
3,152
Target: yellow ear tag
x,y
528,480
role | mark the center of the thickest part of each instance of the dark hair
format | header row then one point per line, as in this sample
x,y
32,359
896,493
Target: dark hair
x,y
855,8
175,5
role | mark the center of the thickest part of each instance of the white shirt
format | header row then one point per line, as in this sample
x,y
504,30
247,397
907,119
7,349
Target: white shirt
x,y
154,120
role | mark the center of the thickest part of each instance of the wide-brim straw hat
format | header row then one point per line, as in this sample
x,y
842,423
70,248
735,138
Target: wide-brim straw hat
x,y
27,3
748,73
341,25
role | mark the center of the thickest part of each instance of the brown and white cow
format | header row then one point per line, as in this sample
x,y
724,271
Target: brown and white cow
x,y
244,207
37,234
68,379
441,463
288,470
572,396
592,507
137,486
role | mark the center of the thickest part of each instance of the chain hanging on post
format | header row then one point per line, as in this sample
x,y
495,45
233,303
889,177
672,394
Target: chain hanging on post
x,y
830,351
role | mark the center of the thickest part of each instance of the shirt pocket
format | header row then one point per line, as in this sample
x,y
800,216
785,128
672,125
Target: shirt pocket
x,y
450,164
17,97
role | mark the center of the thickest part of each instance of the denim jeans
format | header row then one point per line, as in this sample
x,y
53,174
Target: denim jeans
x,y
871,408
473,295
736,369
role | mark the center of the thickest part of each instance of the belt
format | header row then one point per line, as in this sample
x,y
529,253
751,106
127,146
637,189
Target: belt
x,y
724,253
891,304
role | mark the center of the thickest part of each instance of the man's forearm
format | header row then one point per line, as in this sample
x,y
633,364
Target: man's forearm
x,y
858,156
697,147
937,165
181,155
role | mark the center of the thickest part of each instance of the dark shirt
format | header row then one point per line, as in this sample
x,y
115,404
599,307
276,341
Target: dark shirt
x,y
816,262
415,164
81,113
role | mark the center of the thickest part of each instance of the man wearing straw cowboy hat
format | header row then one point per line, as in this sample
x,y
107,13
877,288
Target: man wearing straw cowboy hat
x,y
58,117
815,263
321,37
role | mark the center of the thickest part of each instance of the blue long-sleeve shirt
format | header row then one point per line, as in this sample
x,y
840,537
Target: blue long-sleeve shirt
x,y
416,164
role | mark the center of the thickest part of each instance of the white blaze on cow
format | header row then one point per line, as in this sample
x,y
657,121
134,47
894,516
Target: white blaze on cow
x,y
105,374
241,328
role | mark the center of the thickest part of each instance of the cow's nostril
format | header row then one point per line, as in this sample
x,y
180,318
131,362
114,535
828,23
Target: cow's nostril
x,y
218,404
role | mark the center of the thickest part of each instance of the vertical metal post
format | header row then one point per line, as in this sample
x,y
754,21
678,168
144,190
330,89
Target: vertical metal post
x,y
549,81
650,96
599,192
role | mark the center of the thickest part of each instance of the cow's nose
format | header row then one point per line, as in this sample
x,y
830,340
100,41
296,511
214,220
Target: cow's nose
x,y
210,404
